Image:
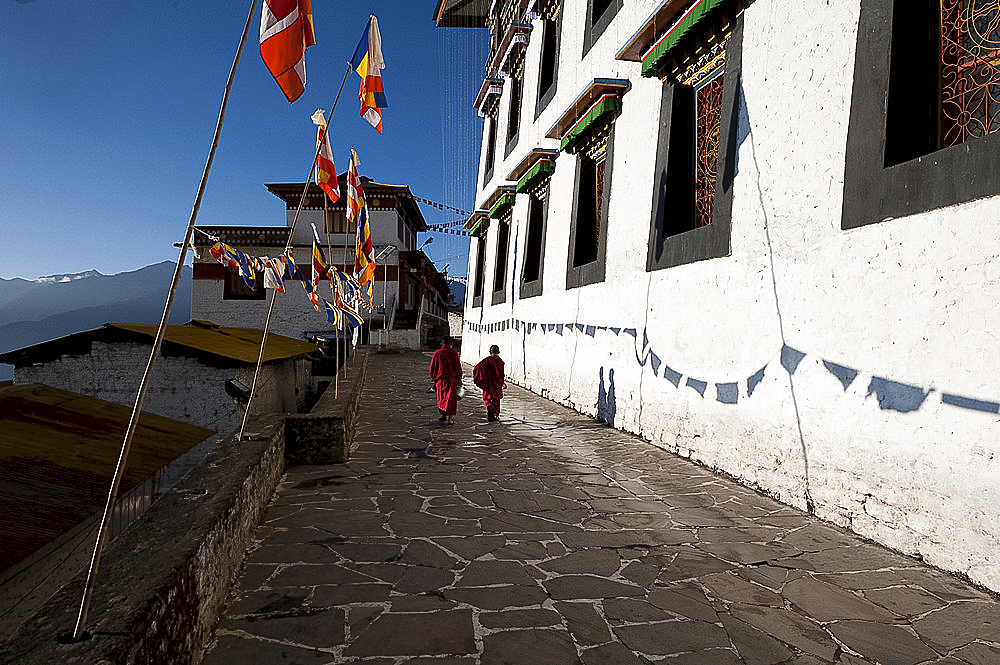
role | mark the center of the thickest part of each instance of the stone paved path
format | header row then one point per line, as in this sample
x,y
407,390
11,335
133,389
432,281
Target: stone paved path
x,y
549,539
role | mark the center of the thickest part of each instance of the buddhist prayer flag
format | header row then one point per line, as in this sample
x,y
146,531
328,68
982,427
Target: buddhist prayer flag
x,y
286,30
274,270
357,209
355,193
368,63
326,172
320,268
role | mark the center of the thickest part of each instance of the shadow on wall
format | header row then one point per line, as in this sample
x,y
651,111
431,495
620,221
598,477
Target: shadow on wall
x,y
606,406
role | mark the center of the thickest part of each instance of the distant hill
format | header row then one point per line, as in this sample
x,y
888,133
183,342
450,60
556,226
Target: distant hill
x,y
33,311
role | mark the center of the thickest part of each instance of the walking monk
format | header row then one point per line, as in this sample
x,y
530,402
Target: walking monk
x,y
446,373
488,375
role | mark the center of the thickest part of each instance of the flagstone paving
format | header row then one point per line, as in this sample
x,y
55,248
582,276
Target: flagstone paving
x,y
550,539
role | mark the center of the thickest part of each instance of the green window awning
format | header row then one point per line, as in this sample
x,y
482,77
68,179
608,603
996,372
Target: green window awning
x,y
503,202
481,227
673,35
609,104
543,167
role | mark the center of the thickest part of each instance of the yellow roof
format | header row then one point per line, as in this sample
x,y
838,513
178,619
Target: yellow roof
x,y
237,343
58,453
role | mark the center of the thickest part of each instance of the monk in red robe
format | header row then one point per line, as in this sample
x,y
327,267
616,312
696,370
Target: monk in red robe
x,y
488,375
446,373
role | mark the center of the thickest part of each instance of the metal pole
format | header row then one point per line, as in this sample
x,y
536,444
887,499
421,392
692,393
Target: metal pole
x,y
157,343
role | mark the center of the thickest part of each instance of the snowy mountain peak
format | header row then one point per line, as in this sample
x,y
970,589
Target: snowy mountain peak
x,y
59,279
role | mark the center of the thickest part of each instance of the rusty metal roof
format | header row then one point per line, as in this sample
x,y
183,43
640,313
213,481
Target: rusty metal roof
x,y
58,452
202,339
236,343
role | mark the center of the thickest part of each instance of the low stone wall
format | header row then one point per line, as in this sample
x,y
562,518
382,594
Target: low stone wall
x,y
325,434
162,583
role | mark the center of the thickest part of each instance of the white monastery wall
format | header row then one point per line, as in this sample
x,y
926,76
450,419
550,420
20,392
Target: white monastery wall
x,y
293,314
181,388
812,362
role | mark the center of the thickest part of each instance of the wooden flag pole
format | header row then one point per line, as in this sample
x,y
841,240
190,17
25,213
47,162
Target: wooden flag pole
x,y
288,246
81,619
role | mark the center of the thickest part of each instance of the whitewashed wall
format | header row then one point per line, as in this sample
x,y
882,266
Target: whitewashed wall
x,y
180,388
293,315
908,304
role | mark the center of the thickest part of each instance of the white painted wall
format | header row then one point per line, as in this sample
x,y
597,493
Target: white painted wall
x,y
181,388
909,300
293,314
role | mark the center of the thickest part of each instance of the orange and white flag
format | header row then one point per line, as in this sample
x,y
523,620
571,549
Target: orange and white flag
x,y
326,171
286,30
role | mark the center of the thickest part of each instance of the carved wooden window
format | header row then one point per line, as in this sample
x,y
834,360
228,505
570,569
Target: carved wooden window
x,y
708,119
970,70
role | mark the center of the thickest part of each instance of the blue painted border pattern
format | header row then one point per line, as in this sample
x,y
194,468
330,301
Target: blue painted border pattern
x,y
890,395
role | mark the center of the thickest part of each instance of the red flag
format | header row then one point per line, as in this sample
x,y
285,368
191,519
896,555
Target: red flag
x,y
286,29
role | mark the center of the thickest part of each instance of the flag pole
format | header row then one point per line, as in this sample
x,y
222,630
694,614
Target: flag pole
x,y
81,619
288,246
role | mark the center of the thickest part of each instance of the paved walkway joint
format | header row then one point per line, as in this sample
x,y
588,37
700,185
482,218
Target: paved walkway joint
x,y
551,539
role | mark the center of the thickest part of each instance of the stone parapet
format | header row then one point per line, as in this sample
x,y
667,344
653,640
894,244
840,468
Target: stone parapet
x,y
163,583
325,434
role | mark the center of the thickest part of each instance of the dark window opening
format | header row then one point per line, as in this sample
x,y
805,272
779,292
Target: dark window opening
x,y
597,10
926,81
514,116
944,77
914,90
533,248
477,293
693,157
491,147
695,164
588,216
547,70
236,288
500,266
601,13
500,271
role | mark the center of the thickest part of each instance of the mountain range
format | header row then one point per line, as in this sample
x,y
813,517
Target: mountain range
x,y
33,311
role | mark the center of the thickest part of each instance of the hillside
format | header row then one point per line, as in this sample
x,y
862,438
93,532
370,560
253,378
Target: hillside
x,y
33,311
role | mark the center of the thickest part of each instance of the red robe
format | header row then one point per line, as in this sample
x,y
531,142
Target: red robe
x,y
446,372
488,375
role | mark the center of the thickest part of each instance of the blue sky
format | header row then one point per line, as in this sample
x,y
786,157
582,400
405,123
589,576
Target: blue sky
x,y
109,108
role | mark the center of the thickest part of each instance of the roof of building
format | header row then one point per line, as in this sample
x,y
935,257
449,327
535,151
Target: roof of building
x,y
461,13
242,236
58,453
398,196
213,344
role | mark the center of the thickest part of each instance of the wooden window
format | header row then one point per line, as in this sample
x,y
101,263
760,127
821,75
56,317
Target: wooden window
x,y
477,293
491,148
926,80
514,111
549,64
336,221
600,13
500,265
235,287
534,250
588,226
692,199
